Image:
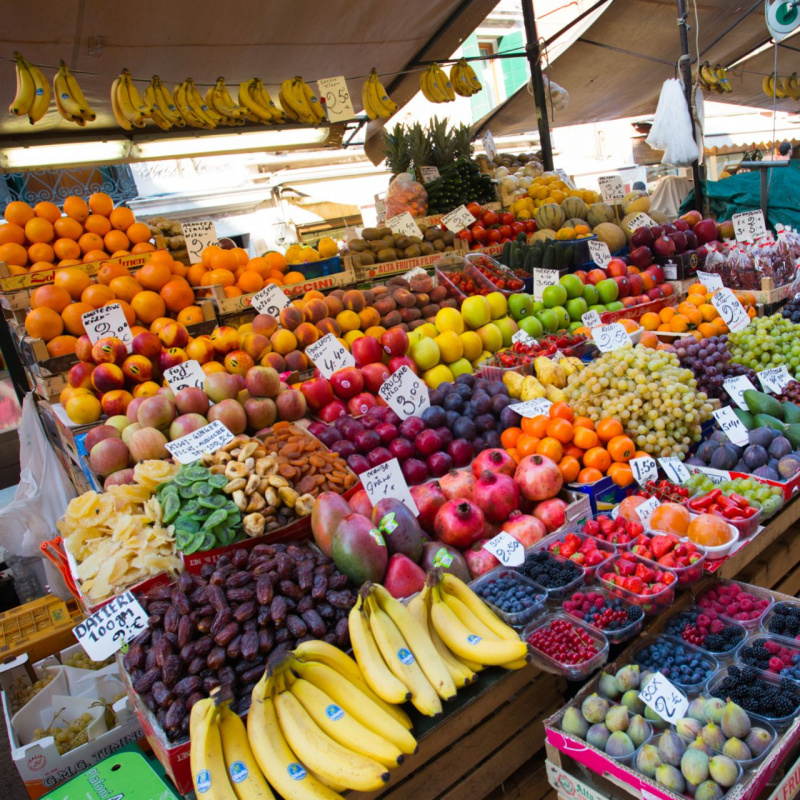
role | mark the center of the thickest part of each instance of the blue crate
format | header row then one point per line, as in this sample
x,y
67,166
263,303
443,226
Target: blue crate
x,y
603,494
83,462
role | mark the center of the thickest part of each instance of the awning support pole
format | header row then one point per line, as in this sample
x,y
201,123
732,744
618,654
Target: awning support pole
x,y
686,75
537,82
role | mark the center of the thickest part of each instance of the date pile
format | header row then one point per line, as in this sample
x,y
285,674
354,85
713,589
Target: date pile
x,y
220,627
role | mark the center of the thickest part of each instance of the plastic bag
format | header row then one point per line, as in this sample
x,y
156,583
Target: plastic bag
x,y
41,497
405,194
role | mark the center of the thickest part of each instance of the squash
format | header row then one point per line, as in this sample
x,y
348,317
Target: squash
x,y
599,212
611,234
550,216
574,207
636,203
543,235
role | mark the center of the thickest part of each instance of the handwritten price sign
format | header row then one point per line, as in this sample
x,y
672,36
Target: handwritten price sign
x,y
646,509
405,394
711,281
599,252
731,425
403,225
736,387
642,221
190,448
591,319
199,235
749,226
187,375
387,480
489,146
118,622
542,278
329,355
338,104
644,469
107,321
506,549
270,300
524,337
458,219
662,697
674,469
730,309
611,188
428,174
532,408
775,379
611,337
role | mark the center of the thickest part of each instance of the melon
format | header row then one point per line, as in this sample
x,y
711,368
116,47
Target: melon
x,y
636,203
574,207
658,216
625,225
599,212
571,223
543,235
550,216
611,234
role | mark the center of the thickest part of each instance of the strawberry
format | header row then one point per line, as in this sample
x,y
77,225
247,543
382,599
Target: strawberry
x,y
588,546
660,546
657,587
578,558
668,578
595,557
647,574
633,528
606,525
624,567
668,560
591,527
635,585
566,549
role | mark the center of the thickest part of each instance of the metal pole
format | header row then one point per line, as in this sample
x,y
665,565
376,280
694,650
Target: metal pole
x,y
686,75
532,39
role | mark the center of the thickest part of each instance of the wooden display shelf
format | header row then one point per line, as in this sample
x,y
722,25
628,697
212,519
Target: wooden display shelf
x,y
389,268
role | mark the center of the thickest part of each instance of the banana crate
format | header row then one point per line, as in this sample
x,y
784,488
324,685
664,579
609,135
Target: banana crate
x,y
39,628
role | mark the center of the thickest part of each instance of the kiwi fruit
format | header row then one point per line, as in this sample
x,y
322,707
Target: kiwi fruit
x,y
388,241
426,248
431,234
439,245
357,245
448,237
387,254
370,234
415,239
384,232
401,242
412,251
367,258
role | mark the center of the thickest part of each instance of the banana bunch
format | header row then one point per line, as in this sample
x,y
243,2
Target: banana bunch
x,y
775,86
375,100
465,81
32,97
130,109
300,103
714,79
219,100
163,109
70,102
316,729
257,103
436,86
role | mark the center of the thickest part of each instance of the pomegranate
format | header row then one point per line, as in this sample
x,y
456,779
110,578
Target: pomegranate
x,y
429,498
480,561
457,484
496,495
538,477
526,529
459,522
552,513
495,460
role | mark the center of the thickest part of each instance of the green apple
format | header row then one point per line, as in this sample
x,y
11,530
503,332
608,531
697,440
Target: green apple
x,y
615,306
477,312
607,290
576,308
548,320
598,307
460,367
425,352
590,294
508,328
532,326
520,305
573,326
554,296
538,305
562,317
573,285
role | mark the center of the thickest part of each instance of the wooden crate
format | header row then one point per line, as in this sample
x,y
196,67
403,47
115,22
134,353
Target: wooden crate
x,y
389,268
769,294
496,728
529,782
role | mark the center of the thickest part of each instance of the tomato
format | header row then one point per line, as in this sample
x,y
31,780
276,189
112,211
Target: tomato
x,y
493,236
475,209
479,233
465,234
505,231
506,218
489,218
518,227
530,226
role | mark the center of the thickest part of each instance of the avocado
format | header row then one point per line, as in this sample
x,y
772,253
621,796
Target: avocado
x,y
767,420
792,433
745,417
761,403
791,412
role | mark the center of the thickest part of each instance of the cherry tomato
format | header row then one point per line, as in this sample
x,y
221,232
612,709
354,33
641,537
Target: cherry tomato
x,y
518,227
479,233
493,236
465,234
475,209
506,218
489,218
505,231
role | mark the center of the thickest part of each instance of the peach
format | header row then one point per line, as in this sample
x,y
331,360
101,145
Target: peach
x,y
369,317
83,409
296,361
146,389
274,360
115,402
137,369
230,414
265,324
80,375
109,455
306,334
108,377
83,348
291,317
225,339
173,334
109,350
283,341
338,293
255,344
213,366
329,325
237,362
201,350
171,358
349,321
334,306
146,344
354,300
315,310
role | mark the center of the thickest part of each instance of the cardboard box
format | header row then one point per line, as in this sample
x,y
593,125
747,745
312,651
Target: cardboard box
x,y
680,266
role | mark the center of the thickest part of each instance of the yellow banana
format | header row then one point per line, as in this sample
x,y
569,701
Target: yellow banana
x,y
435,85
61,91
775,85
458,78
445,82
166,103
287,100
322,754
249,102
223,102
205,753
457,588
26,89
260,93
279,764
188,107
75,92
150,99
313,101
766,85
466,617
121,119
41,91
243,771
131,110
377,675
299,88
424,88
366,99
199,104
794,86
472,78
379,101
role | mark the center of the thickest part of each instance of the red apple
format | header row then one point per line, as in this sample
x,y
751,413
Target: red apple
x,y
668,228
582,275
692,217
637,284
657,272
361,403
616,268
347,382
332,411
691,239
655,293
657,231
628,302
680,240
642,237
641,256
667,289
706,231
623,285
374,374
595,276
664,246
399,361
395,341
317,392
366,350
682,225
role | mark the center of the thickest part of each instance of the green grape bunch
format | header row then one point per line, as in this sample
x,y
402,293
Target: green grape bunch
x,y
767,342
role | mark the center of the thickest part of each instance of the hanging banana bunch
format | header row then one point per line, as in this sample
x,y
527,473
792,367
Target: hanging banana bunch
x,y
164,112
70,102
375,99
436,86
465,81
130,109
257,103
219,99
713,79
32,98
300,103
775,86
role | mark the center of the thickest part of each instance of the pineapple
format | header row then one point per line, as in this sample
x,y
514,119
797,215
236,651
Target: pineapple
x,y
419,148
395,147
462,139
442,143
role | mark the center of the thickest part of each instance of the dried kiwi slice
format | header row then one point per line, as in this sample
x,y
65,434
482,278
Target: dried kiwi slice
x,y
203,489
215,501
215,519
184,523
218,481
170,508
194,544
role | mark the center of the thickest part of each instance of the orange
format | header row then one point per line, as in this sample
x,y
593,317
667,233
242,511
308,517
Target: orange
x,y
667,313
191,315
61,346
208,252
696,300
154,276
179,269
650,321
97,224
574,451
108,272
242,256
68,228
161,257
561,410
76,207
39,230
66,248
684,307
551,448
143,247
14,254
116,240
621,448
707,329
708,311
122,218
139,232
273,282
43,323
11,233
41,252
671,518
584,438
101,203
293,277
695,317
195,274
708,530
252,282
18,212
224,259
232,291
95,255
277,261
221,277
97,295
560,429
679,323
570,468
41,265
641,454
177,295
512,451
125,288
72,316
148,306
665,328
120,253
130,314
608,428
259,265
697,288
54,297
48,211
73,280
526,444
589,475
508,438
598,458
13,269
621,474
90,241
535,426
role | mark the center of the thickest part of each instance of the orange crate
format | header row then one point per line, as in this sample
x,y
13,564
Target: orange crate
x,y
39,628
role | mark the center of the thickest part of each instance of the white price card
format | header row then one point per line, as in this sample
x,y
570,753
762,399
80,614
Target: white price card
x,y
646,509
118,622
675,469
335,98
542,278
506,549
599,252
642,221
532,408
611,337
405,393
190,448
329,355
107,321
270,300
775,379
458,219
644,469
736,387
591,319
524,337
387,480
662,697
183,376
428,174
489,146
380,206
199,235
611,188
403,225
717,476
730,309
731,425
564,177
671,271
749,226
710,280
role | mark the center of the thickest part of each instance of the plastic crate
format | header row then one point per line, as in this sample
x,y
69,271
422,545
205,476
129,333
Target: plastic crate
x,y
39,628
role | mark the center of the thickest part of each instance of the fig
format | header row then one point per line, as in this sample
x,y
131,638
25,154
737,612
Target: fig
x,y
632,702
708,790
713,709
619,745
617,719
575,723
697,710
594,708
699,744
671,748
758,740
694,766
598,736
671,778
608,686
653,716
627,678
737,750
735,722
688,727
648,760
639,730
713,736
723,770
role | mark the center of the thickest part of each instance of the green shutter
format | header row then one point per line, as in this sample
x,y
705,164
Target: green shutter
x,y
515,70
479,102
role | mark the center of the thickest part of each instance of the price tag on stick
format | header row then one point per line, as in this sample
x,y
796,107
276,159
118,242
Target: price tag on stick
x,y
599,252
662,697
489,146
675,469
749,226
187,375
190,448
736,387
428,174
198,236
458,219
405,394
403,225
591,319
387,480
730,309
329,355
532,408
107,321
642,221
711,281
336,95
646,509
270,300
644,469
506,549
611,188
775,379
611,337
524,337
731,425
118,622
542,278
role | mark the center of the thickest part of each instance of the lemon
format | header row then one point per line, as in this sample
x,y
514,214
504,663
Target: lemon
x,y
327,247
351,336
310,254
497,304
436,375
